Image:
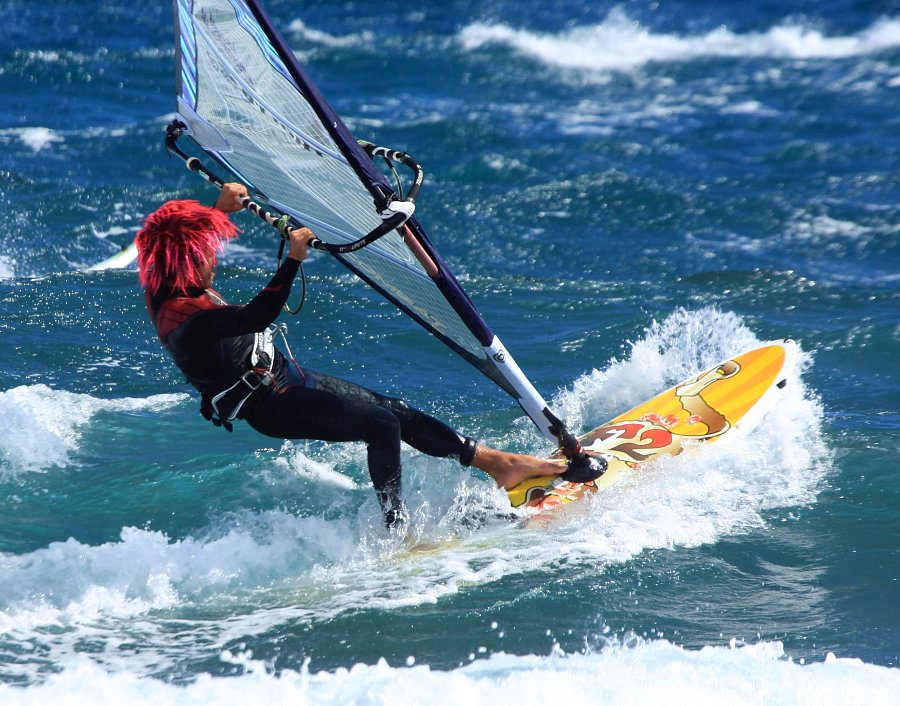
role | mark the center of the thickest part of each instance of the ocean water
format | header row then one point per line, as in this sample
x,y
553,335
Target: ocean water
x,y
629,192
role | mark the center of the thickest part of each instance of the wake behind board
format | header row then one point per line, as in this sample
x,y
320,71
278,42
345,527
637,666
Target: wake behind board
x,y
732,395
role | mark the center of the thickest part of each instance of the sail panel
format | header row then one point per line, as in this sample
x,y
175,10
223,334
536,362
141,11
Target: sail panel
x,y
244,108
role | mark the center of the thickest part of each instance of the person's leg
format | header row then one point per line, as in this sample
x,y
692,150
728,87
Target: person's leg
x,y
383,454
307,412
342,408
433,437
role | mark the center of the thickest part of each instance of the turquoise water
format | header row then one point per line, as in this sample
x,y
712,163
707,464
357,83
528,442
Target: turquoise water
x,y
629,193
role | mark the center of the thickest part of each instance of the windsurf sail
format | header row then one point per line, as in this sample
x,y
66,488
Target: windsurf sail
x,y
245,101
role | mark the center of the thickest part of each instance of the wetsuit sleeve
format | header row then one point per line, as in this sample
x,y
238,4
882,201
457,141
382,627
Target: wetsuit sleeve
x,y
264,308
254,316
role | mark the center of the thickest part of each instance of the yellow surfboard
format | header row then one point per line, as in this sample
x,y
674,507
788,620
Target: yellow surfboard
x,y
733,394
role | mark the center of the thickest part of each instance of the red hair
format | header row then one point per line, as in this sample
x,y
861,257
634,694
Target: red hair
x,y
177,240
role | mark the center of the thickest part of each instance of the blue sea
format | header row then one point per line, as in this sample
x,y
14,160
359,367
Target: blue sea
x,y
629,192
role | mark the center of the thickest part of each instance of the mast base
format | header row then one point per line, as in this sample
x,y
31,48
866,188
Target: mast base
x,y
583,469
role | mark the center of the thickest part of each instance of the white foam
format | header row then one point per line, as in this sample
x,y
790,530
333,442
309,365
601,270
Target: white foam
x,y
300,460
315,36
643,672
821,231
39,138
115,230
7,267
685,343
251,572
619,44
832,238
70,583
40,427
665,499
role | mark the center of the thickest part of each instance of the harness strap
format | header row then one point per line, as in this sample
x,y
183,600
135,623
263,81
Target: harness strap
x,y
224,407
263,354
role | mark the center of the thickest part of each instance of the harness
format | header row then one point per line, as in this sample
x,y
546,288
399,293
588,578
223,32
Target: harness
x,y
223,408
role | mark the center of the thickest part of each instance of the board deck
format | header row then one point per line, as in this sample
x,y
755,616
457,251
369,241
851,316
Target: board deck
x,y
736,393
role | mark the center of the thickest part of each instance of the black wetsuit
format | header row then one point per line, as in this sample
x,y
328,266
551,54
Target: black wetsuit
x,y
211,343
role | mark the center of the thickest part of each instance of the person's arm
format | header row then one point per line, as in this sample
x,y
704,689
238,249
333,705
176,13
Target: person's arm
x,y
231,199
264,308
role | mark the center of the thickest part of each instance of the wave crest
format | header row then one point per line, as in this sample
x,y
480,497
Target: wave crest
x,y
621,44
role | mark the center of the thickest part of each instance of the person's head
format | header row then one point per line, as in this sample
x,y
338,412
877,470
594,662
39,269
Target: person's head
x,y
178,244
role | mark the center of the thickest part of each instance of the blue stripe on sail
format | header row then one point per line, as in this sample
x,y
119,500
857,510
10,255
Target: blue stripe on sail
x,y
188,53
246,20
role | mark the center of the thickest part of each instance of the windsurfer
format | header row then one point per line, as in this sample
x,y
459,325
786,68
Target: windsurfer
x,y
240,375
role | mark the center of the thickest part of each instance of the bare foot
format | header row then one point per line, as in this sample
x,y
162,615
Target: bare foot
x,y
509,469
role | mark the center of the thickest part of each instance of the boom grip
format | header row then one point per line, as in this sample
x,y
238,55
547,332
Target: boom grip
x,y
283,224
403,158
